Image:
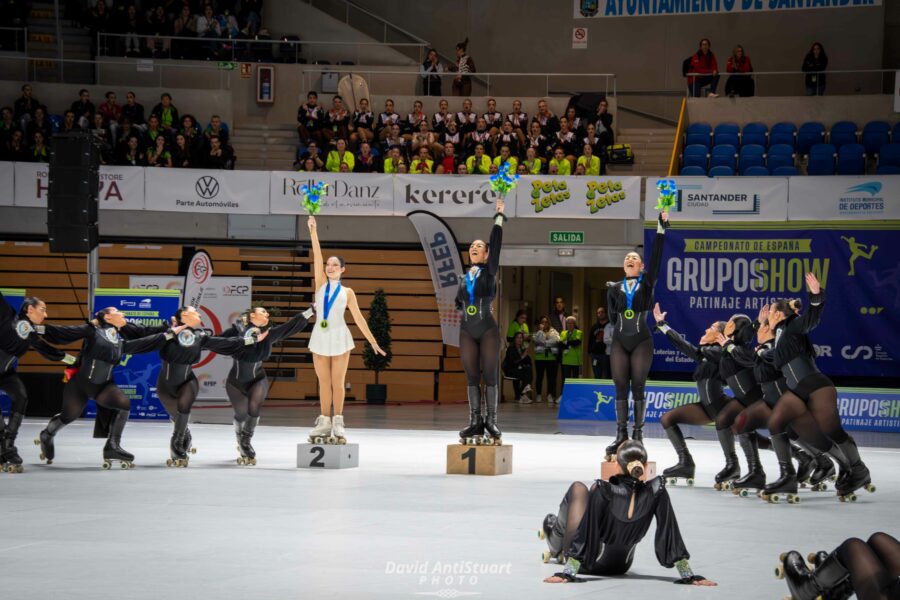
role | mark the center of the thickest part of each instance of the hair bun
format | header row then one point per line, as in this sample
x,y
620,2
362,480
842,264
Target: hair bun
x,y
635,469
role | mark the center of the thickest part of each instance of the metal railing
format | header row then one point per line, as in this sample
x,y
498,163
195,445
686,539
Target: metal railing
x,y
249,49
14,39
793,83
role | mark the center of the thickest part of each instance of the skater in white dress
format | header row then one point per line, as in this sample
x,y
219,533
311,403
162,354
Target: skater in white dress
x,y
331,340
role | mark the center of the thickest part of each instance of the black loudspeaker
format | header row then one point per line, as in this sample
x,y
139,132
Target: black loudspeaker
x,y
72,205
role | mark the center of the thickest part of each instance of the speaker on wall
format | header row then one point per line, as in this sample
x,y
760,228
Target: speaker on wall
x,y
72,205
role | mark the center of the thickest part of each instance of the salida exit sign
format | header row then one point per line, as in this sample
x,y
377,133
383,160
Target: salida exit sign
x,y
566,237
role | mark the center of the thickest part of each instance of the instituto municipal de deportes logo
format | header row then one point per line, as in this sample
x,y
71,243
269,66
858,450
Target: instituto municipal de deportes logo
x,y
207,187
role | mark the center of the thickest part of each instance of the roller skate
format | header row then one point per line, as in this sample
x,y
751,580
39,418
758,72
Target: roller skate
x,y
338,435
45,439
187,444
473,434
248,454
727,476
855,475
320,433
492,433
829,580
548,532
613,449
112,451
177,455
806,464
637,430
785,487
823,473
685,467
755,479
10,461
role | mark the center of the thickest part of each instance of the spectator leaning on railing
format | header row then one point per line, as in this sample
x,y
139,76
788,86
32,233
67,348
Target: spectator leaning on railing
x,y
814,65
704,70
740,82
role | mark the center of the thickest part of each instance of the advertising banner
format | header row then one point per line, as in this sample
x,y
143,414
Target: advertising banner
x,y
724,198
199,272
445,195
224,299
13,297
590,9
207,191
709,275
861,409
579,197
838,198
136,374
363,194
121,188
7,184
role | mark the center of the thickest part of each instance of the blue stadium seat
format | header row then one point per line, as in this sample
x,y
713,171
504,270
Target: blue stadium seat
x,y
755,133
780,155
783,133
693,171
889,155
821,160
753,155
756,171
727,128
809,134
785,172
699,133
895,133
888,170
724,154
696,155
753,149
851,159
721,171
875,134
726,137
843,132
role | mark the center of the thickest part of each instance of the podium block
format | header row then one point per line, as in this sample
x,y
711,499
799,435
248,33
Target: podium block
x,y
479,460
608,469
327,456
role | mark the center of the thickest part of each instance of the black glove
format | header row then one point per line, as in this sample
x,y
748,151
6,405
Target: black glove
x,y
689,580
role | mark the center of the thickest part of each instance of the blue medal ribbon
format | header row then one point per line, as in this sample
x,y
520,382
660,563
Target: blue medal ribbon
x,y
470,287
629,294
328,301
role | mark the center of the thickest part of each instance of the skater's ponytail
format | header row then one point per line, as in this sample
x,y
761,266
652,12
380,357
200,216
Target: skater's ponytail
x,y
632,458
796,305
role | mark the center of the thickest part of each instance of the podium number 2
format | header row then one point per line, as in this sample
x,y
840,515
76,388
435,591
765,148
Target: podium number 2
x,y
319,452
470,454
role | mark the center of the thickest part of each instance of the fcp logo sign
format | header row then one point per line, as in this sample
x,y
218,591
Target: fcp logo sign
x,y
207,187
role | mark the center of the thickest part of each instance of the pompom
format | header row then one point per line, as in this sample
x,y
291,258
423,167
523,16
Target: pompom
x,y
312,195
668,190
504,180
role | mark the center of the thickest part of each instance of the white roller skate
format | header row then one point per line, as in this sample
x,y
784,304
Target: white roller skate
x,y
322,430
338,435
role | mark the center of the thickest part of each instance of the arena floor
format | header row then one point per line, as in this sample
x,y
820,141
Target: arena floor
x,y
216,530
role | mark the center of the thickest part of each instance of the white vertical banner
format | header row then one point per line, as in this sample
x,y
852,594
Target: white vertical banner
x,y
224,299
364,194
207,191
197,278
7,183
553,196
32,182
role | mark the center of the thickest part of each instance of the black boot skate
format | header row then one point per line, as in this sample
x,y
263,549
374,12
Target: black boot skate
x,y
732,471
640,411
177,455
490,422
248,454
685,467
113,451
10,461
786,485
857,474
474,433
550,531
755,479
823,473
621,429
828,580
45,439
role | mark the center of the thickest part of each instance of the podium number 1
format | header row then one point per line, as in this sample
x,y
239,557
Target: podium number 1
x,y
319,452
470,454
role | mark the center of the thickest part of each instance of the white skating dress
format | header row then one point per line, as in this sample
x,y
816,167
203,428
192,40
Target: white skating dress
x,y
335,339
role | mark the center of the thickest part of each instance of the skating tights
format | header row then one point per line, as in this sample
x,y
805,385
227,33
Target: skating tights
x,y
728,414
571,511
480,358
791,410
183,400
248,405
15,389
874,566
77,393
689,414
630,369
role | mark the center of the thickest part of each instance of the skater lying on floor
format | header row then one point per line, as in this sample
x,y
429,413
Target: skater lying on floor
x,y
597,530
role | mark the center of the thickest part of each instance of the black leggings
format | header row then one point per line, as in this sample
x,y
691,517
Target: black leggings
x,y
810,419
480,357
15,389
630,369
689,414
78,391
247,400
614,560
570,372
874,566
183,398
549,367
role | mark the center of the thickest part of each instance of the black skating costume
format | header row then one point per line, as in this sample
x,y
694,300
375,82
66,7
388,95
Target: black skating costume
x,y
247,384
629,302
102,349
17,335
810,404
712,400
479,338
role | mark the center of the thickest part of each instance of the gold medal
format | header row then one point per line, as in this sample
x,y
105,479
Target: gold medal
x,y
629,314
324,324
471,310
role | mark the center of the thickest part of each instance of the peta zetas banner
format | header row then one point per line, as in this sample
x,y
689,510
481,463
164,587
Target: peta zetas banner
x,y
709,275
578,197
724,198
861,409
589,9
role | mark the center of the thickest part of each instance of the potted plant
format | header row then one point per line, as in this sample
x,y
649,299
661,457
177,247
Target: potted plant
x,y
380,325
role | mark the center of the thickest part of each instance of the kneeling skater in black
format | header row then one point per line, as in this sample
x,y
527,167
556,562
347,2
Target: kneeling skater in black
x,y
103,348
870,569
597,530
479,335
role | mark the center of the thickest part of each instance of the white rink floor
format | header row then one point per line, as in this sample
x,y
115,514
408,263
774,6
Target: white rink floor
x,y
215,530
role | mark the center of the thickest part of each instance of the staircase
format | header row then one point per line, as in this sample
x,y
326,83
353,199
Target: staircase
x,y
264,147
652,151
44,48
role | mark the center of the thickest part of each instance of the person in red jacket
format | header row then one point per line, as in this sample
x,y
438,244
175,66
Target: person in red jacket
x,y
740,83
704,70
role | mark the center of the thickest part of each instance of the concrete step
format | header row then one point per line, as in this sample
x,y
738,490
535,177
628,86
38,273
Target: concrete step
x,y
263,147
242,136
670,131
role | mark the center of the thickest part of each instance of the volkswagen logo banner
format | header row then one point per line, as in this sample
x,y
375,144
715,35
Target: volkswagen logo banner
x,y
207,187
202,191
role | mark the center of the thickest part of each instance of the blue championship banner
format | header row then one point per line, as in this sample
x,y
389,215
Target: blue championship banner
x,y
13,297
711,274
136,374
861,409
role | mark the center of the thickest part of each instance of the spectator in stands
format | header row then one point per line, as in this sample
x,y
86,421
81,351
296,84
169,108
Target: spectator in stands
x,y
251,16
134,112
14,148
158,154
548,121
185,25
216,127
131,26
492,117
519,121
112,112
386,119
311,119
431,71
153,131
24,107
522,169
219,156
41,123
228,24
69,124
532,163
452,135
462,169
536,140
414,118
83,109
422,164
193,137
97,21
337,121
517,366
307,165
182,153
462,83
466,118
448,161
167,113
362,125
507,137
579,170
814,65
425,139
159,28
589,161
597,145
504,157
402,168
479,163
126,132
597,345
312,151
7,124
208,27
481,135
603,123
576,123
740,82
565,139
394,139
559,164
394,161
38,152
339,156
704,71
366,159
102,137
441,118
